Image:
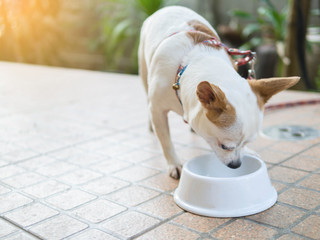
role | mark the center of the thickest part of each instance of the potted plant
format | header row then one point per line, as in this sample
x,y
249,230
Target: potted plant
x,y
265,33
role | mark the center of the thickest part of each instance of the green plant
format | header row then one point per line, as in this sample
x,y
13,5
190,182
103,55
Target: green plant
x,y
120,26
317,79
269,25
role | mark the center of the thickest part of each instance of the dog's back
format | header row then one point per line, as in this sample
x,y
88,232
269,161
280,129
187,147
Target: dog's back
x,y
163,24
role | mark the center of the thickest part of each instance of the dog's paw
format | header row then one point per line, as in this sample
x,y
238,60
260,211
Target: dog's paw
x,y
175,171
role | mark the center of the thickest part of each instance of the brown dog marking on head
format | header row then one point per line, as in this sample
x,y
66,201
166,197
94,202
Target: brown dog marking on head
x,y
265,88
199,26
218,109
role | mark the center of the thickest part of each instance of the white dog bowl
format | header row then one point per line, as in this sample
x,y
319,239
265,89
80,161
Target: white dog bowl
x,y
207,187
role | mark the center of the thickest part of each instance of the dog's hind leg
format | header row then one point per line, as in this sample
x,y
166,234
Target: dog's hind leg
x,y
161,127
143,72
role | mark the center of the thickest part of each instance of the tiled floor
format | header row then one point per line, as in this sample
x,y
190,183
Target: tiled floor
x,y
77,162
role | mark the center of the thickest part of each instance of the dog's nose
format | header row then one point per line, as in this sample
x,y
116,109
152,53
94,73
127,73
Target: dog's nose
x,y
234,164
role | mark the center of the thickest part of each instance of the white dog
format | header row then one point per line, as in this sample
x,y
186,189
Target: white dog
x,y
219,105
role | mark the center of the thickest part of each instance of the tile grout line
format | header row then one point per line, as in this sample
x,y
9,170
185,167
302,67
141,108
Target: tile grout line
x,y
294,155
19,227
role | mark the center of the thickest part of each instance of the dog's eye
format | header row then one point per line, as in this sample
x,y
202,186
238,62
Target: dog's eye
x,y
224,147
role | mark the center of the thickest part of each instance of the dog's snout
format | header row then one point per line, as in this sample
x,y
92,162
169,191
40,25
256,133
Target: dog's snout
x,y
234,164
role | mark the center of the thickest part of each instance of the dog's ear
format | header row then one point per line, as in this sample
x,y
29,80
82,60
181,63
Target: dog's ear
x,y
219,110
211,96
267,87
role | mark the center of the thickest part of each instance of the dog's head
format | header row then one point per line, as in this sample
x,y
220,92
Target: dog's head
x,y
230,119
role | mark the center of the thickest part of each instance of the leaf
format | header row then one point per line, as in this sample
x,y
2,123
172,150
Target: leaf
x,y
240,14
251,28
149,7
118,32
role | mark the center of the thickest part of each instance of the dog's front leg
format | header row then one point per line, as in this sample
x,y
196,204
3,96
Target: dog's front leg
x,y
161,127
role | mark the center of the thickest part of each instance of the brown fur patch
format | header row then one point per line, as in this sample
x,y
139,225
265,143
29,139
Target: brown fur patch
x,y
218,109
264,89
199,37
199,26
205,33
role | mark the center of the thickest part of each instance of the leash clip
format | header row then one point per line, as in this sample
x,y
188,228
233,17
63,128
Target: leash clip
x,y
251,71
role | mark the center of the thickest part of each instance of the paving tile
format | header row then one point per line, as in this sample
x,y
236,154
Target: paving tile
x,y
303,163
6,228
11,201
19,155
135,173
21,236
169,231
23,180
115,150
312,182
153,145
94,145
93,234
157,163
190,139
278,216
66,153
309,227
56,168
130,224
79,176
107,144
261,143
46,189
110,165
272,156
98,210
58,227
86,159
3,163
286,174
288,147
142,141
278,186
10,170
41,144
312,152
8,146
161,182
4,190
187,153
290,237
300,197
138,155
243,229
121,136
105,185
30,214
70,199
36,162
163,207
133,195
199,223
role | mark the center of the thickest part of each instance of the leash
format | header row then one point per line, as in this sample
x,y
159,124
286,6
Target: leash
x,y
247,57
291,104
